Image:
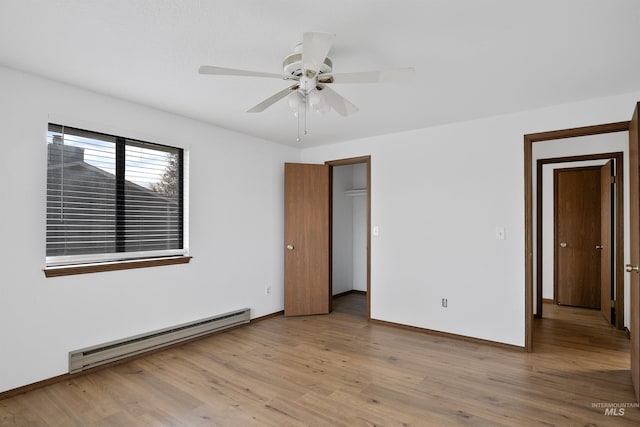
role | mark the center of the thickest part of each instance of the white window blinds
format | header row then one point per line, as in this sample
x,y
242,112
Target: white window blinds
x,y
111,198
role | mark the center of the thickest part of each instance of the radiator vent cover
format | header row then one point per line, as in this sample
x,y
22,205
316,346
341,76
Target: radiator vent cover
x,y
90,357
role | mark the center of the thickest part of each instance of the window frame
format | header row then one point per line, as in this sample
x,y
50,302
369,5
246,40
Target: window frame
x,y
62,265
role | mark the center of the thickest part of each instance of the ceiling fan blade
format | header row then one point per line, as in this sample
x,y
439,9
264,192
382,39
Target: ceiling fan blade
x,y
315,47
337,101
273,99
220,71
393,75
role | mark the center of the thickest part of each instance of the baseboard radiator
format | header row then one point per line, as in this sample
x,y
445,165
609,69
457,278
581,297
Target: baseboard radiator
x,y
90,357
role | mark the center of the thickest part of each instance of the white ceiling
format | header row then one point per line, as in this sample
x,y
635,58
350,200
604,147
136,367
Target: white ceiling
x,y
473,58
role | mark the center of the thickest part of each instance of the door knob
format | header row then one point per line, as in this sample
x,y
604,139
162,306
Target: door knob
x,y
563,244
631,267
598,246
290,247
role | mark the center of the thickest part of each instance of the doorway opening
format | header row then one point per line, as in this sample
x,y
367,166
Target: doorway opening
x,y
350,200
552,252
533,219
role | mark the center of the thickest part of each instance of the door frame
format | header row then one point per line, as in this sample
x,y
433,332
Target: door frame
x,y
529,140
344,162
618,234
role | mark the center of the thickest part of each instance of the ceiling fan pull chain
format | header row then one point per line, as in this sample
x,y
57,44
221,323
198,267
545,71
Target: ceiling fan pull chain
x,y
298,121
305,115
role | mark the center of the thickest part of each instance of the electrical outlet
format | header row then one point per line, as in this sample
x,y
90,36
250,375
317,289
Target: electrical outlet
x,y
267,291
444,302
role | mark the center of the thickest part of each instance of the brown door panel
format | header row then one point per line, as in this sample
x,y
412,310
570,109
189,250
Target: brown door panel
x,y
634,255
577,234
606,239
306,253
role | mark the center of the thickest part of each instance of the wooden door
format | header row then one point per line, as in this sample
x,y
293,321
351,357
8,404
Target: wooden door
x,y
307,284
606,233
634,255
577,233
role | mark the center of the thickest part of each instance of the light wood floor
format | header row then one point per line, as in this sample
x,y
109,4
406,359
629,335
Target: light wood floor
x,y
342,370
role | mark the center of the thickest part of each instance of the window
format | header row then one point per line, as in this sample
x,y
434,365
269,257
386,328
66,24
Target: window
x,y
111,198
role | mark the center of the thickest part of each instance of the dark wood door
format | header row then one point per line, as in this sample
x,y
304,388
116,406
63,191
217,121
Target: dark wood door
x,y
634,253
307,284
606,240
577,234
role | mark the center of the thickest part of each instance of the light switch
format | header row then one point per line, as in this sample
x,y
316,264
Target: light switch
x,y
376,230
500,235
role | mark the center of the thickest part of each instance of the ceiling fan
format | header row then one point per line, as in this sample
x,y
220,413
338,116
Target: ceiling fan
x,y
311,70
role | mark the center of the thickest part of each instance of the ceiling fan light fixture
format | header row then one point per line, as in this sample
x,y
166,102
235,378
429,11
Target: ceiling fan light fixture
x,y
315,98
324,107
296,101
318,102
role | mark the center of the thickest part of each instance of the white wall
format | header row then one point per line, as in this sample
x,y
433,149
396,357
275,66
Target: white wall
x,y
437,196
236,231
592,144
349,229
360,229
342,239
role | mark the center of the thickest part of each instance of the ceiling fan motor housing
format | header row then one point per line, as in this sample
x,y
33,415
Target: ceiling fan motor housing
x,y
292,64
